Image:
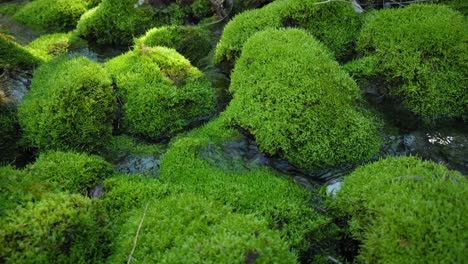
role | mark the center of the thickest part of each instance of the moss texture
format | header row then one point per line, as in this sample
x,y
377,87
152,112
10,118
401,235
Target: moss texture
x,y
60,228
52,15
192,42
197,230
297,102
14,57
161,92
72,172
70,106
335,24
50,46
421,53
405,210
118,21
258,191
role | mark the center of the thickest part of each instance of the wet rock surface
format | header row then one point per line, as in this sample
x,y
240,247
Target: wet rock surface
x,y
449,147
139,164
17,87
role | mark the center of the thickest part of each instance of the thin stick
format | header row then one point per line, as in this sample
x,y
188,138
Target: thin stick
x,y
136,236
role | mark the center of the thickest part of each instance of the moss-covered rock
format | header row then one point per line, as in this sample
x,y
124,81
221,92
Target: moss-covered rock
x,y
121,197
420,52
190,229
50,46
192,42
259,191
72,172
60,229
9,130
297,101
14,57
118,21
405,210
17,189
162,93
52,15
70,106
336,24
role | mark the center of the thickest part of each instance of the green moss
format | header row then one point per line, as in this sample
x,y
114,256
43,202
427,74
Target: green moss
x,y
118,21
405,210
50,46
192,42
187,228
59,229
9,9
72,172
161,92
52,15
421,53
9,131
17,189
70,106
335,24
124,193
296,101
259,191
15,57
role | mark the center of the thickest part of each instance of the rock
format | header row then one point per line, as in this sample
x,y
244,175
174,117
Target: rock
x,y
97,192
139,164
334,187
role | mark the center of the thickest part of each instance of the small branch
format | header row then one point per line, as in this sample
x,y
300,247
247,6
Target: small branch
x,y
136,236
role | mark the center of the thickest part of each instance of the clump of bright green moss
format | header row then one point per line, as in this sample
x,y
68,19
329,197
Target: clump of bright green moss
x,y
52,15
14,57
60,229
70,106
161,92
405,210
72,172
188,228
335,24
297,101
50,46
192,42
420,52
17,188
118,21
284,205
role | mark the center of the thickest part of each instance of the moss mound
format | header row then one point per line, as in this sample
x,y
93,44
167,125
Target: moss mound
x,y
192,42
9,130
187,228
70,106
59,229
296,101
14,57
405,210
121,198
118,21
421,53
335,24
71,172
17,189
50,46
52,15
161,92
257,191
